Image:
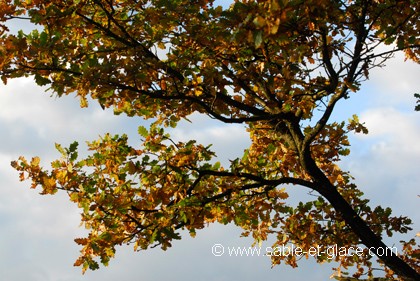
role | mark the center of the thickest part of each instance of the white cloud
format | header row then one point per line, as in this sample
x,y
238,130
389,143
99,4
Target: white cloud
x,y
398,131
23,101
395,83
385,162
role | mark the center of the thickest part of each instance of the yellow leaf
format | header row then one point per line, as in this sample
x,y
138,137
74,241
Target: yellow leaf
x,y
283,195
48,184
161,45
329,39
61,175
275,5
198,91
35,161
275,27
70,167
261,66
83,102
259,21
312,228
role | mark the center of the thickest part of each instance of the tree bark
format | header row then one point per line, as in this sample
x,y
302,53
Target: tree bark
x,y
367,236
357,224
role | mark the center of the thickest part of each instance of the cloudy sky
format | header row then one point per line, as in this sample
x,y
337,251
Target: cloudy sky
x,y
37,232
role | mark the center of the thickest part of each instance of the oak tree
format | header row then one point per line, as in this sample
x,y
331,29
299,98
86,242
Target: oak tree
x,y
277,66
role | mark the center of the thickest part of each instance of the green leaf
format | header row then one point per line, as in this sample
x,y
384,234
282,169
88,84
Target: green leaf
x,y
216,165
154,236
171,233
143,131
60,149
74,197
73,156
245,156
41,81
258,38
43,38
287,107
271,148
344,151
73,146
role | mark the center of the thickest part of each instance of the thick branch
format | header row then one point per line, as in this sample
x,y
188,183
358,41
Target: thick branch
x,y
350,78
261,180
357,224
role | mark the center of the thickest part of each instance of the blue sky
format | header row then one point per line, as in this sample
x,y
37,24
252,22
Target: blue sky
x,y
38,231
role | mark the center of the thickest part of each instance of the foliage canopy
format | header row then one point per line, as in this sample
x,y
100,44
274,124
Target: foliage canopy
x,y
268,64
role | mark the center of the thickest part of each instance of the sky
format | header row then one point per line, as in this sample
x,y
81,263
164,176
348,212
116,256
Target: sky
x,y
37,232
